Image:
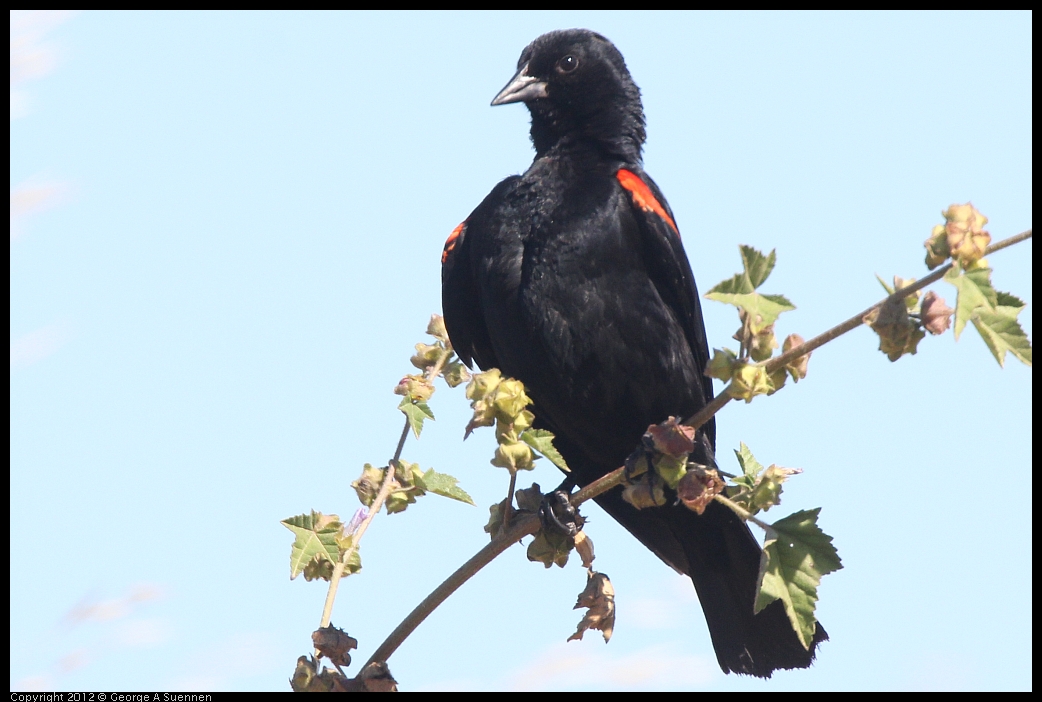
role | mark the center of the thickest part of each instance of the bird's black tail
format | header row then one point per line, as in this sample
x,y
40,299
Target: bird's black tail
x,y
723,559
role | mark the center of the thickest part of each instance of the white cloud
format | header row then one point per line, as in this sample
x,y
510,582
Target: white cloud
x,y
36,345
31,57
30,198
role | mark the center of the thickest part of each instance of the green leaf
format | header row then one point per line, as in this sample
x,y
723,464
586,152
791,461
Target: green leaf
x,y
751,468
756,268
886,286
543,442
1001,332
796,555
415,413
1003,299
993,313
736,285
758,489
316,535
763,310
443,484
974,291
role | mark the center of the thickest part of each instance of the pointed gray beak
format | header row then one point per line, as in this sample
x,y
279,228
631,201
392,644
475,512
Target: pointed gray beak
x,y
521,88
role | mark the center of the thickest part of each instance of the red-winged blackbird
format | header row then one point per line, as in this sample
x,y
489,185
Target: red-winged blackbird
x,y
573,279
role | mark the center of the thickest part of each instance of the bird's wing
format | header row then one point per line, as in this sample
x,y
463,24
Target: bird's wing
x,y
460,300
668,265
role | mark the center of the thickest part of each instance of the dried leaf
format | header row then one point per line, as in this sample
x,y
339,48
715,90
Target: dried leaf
x,y
599,599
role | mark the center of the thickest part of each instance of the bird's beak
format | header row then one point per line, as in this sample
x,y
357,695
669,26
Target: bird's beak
x,y
521,88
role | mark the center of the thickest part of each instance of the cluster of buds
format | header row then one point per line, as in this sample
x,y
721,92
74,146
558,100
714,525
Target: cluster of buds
x,y
747,380
663,461
416,387
962,237
501,402
408,485
310,677
757,488
756,337
902,324
432,360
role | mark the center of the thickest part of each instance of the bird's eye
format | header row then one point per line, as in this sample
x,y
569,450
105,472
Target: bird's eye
x,y
567,64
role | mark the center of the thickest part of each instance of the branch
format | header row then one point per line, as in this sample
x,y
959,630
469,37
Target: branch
x,y
527,525
605,483
857,320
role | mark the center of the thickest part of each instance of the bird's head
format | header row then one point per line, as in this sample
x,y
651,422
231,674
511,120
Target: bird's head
x,y
576,85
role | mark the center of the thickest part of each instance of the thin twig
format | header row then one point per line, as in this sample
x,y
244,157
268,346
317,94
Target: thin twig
x,y
742,513
374,509
1015,239
696,420
858,319
401,442
510,499
433,371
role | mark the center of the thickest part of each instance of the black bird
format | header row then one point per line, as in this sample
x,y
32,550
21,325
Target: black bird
x,y
573,279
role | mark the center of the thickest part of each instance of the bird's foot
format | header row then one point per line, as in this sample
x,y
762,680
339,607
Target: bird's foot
x,y
558,515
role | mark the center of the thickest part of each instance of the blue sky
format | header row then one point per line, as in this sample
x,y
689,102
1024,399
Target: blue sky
x,y
226,232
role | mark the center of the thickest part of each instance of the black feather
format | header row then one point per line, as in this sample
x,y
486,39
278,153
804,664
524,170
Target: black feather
x,y
573,279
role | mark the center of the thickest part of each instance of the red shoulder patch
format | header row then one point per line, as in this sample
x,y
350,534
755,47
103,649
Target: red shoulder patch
x,y
451,242
643,197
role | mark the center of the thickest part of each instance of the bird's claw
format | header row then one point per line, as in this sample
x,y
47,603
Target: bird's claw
x,y
558,515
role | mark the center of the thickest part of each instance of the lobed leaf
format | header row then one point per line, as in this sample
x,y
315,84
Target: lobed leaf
x,y
762,310
1002,332
797,553
973,292
543,442
993,313
755,269
415,412
316,536
751,468
443,484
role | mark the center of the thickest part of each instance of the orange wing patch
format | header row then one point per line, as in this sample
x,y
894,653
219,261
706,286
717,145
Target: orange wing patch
x,y
451,242
642,196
